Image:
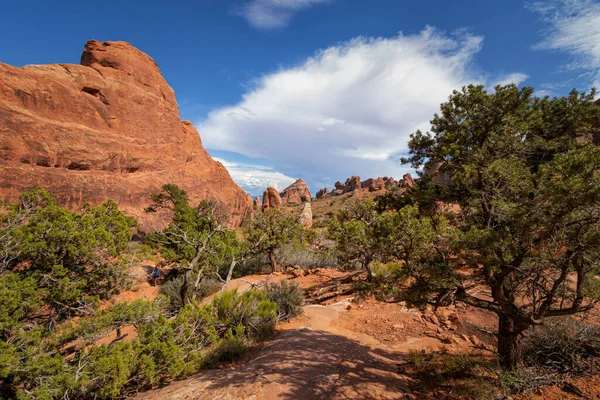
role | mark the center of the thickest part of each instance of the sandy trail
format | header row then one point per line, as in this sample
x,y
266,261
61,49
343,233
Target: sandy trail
x,y
312,357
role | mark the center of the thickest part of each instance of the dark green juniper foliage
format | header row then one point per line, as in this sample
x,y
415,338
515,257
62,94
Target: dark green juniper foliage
x,y
196,238
526,177
365,237
272,230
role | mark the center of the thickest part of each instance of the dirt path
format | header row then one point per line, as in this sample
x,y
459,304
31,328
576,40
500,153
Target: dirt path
x,y
341,350
310,358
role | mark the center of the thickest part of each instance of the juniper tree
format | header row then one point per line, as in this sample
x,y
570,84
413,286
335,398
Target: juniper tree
x,y
526,177
271,230
192,237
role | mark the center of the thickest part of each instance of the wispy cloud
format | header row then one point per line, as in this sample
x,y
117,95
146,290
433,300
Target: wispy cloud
x,y
350,108
274,14
573,27
515,78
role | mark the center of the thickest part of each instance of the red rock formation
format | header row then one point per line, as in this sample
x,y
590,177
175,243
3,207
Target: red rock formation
x,y
108,128
257,202
296,193
390,182
271,199
408,180
352,183
322,193
376,185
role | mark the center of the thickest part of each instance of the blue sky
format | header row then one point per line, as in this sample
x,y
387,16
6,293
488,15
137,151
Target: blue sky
x,y
320,89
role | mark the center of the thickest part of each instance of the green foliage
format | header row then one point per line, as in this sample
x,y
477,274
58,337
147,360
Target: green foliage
x,y
196,237
172,289
192,229
165,347
364,236
288,297
272,230
251,310
526,177
63,260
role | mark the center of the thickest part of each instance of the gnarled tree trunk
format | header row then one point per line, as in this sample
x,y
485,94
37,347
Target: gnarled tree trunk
x,y
274,266
509,344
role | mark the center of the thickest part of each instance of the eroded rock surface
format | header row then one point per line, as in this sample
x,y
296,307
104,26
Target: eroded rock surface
x,y
108,128
271,199
306,217
296,193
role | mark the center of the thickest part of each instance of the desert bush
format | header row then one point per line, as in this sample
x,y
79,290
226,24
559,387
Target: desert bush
x,y
449,365
299,255
564,345
454,375
172,289
251,310
288,297
257,264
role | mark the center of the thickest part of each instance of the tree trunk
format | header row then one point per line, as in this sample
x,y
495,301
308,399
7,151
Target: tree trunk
x,y
509,346
274,266
229,274
187,283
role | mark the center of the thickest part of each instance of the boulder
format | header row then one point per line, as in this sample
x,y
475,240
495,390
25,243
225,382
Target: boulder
x,y
367,183
376,185
296,193
340,186
257,202
408,180
271,199
439,173
390,182
106,129
352,184
322,193
306,218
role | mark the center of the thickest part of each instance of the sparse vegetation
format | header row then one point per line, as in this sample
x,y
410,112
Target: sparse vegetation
x,y
288,297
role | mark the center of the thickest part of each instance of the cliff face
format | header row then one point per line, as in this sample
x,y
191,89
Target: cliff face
x,y
108,128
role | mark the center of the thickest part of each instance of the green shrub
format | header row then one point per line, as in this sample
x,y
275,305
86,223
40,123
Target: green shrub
x,y
299,255
252,310
172,289
288,297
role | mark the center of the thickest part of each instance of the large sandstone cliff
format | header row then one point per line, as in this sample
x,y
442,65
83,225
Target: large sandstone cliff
x,y
108,128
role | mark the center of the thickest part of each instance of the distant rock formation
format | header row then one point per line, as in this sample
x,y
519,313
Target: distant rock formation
x,y
296,193
306,217
353,183
372,184
108,128
438,174
376,185
409,182
271,199
322,193
258,203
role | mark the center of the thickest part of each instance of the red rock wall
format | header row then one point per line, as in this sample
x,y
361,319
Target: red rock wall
x,y
109,128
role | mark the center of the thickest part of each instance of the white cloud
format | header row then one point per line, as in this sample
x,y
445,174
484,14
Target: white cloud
x,y
348,110
274,14
254,179
516,78
573,27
